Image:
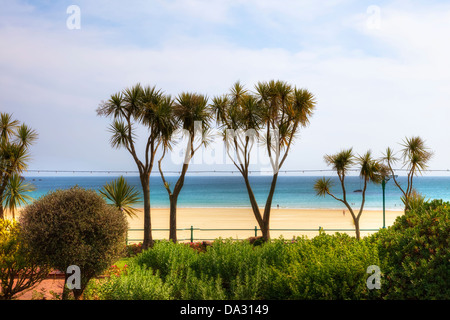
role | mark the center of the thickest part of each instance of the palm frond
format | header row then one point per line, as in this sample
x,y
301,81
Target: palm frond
x,y
13,157
26,135
122,195
415,154
16,193
132,98
120,137
342,161
323,186
7,126
371,169
113,107
303,106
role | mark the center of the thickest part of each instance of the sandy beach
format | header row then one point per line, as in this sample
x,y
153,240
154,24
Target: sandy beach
x,y
243,218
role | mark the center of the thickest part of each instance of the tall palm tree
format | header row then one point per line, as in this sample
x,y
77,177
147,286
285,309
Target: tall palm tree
x,y
16,193
191,114
122,195
273,115
370,170
415,156
129,108
15,141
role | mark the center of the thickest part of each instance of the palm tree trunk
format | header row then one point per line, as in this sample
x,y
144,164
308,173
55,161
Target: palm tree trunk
x,y
2,190
173,203
358,235
267,208
254,204
173,218
148,239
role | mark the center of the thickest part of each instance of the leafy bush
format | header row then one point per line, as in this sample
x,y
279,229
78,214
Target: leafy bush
x,y
137,284
133,249
18,268
413,257
75,227
415,254
241,267
326,267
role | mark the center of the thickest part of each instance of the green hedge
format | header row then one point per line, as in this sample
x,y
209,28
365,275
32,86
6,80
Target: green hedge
x,y
415,254
413,257
326,267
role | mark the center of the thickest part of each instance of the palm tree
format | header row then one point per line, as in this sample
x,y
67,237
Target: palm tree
x,y
370,170
415,156
190,113
133,106
16,193
15,141
122,195
273,115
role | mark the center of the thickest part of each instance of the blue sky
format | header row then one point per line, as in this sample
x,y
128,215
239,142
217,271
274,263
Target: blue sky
x,y
379,69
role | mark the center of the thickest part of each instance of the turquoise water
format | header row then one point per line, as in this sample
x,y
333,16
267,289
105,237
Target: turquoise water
x,y
230,191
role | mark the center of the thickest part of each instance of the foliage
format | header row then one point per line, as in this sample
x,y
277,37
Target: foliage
x,y
412,255
227,269
15,141
415,254
415,156
147,106
133,249
75,227
16,193
137,284
326,267
122,195
190,114
370,170
18,268
273,116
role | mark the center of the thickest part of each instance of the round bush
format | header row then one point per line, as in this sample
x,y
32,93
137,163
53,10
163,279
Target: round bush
x,y
75,227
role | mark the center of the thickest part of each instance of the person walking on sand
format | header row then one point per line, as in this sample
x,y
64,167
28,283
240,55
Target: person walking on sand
x,y
343,212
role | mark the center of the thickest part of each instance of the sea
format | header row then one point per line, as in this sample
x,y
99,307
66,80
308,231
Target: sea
x,y
229,191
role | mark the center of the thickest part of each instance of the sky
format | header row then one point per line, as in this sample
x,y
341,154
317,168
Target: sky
x,y
379,70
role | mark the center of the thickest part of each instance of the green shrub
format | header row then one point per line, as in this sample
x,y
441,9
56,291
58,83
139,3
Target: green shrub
x,y
166,257
138,283
241,267
325,267
19,270
75,227
415,253
133,249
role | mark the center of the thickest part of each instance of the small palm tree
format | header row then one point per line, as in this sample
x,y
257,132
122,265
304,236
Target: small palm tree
x,y
16,193
415,156
370,171
122,195
15,141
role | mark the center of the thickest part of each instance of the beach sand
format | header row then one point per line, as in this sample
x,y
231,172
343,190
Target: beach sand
x,y
243,218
